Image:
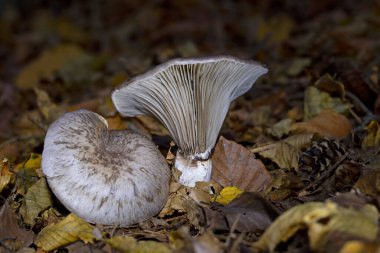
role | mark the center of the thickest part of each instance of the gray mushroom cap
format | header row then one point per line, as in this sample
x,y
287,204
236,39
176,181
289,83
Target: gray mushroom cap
x,y
190,97
115,177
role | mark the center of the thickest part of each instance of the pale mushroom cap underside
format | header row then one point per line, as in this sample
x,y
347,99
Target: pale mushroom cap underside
x,y
106,177
190,97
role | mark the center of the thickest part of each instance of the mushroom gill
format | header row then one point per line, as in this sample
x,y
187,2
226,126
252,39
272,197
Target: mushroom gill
x,y
190,97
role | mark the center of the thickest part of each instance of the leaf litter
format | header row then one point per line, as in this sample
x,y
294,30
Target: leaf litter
x,y
296,166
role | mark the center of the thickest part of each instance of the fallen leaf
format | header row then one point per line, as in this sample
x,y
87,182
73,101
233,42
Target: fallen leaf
x,y
207,242
128,244
227,194
369,183
328,84
37,199
69,230
7,178
300,141
320,220
28,173
373,137
123,243
235,165
11,235
46,65
48,109
328,124
283,154
281,128
250,212
317,101
356,246
297,66
204,191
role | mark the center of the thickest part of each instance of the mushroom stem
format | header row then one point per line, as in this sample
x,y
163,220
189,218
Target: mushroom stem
x,y
193,170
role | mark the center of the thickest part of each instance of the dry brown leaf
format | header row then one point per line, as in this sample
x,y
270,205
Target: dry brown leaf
x,y
234,165
204,191
7,178
249,213
328,124
11,235
369,183
283,154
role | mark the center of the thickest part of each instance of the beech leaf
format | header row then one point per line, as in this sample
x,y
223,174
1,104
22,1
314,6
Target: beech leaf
x,y
234,165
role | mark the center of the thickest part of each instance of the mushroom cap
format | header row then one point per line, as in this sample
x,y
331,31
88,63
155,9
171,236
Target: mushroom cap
x,y
190,97
115,177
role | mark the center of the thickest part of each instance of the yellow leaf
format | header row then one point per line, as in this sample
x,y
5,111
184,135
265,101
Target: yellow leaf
x,y
373,137
28,173
37,199
69,230
227,194
128,244
361,223
359,247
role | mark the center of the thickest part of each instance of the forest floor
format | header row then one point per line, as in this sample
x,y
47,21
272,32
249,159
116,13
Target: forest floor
x,y
297,164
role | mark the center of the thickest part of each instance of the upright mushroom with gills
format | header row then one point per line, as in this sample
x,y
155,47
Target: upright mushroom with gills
x,y
111,177
190,97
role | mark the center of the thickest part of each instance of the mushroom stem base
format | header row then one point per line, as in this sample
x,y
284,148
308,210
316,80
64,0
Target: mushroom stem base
x,y
193,171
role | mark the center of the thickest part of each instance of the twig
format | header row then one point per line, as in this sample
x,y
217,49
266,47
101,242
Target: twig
x,y
232,229
263,148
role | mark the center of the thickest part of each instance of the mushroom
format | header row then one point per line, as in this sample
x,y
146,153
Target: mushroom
x,y
190,97
111,177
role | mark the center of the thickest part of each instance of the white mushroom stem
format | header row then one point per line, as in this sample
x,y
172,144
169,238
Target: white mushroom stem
x,y
193,170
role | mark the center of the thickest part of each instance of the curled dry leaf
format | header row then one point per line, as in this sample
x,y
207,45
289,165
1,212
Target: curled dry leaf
x,y
68,230
234,165
322,220
37,199
328,124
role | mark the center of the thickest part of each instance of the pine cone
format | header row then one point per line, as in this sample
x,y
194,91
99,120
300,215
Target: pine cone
x,y
318,157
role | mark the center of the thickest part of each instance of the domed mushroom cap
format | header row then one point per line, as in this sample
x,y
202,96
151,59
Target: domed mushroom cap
x,y
191,98
107,177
